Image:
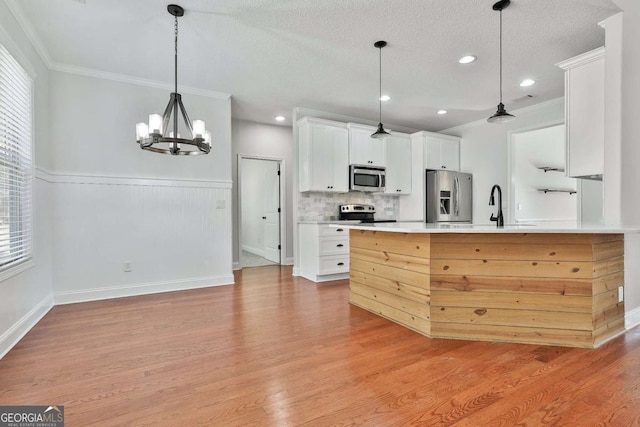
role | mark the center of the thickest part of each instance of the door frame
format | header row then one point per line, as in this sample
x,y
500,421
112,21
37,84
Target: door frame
x,y
283,201
511,207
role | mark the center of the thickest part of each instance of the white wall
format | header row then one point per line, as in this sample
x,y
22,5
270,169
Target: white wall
x,y
259,139
529,151
169,216
26,296
484,151
630,154
253,202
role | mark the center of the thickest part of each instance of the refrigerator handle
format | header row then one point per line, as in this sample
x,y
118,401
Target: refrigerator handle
x,y
456,189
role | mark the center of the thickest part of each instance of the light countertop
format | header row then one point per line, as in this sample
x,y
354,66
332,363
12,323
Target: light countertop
x,y
546,227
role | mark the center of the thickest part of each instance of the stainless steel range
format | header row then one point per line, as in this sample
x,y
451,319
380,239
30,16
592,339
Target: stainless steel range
x,y
364,213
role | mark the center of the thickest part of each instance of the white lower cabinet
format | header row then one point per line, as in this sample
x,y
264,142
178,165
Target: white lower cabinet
x,y
324,252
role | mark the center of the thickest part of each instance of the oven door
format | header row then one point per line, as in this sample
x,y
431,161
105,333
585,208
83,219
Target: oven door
x,y
362,178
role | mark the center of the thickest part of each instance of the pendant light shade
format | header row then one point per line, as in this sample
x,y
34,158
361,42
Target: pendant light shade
x,y
501,115
161,134
380,132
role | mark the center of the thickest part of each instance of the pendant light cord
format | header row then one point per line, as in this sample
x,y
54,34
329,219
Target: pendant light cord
x,y
380,92
500,56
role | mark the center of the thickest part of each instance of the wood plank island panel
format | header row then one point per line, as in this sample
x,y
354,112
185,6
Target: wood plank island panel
x,y
557,289
390,276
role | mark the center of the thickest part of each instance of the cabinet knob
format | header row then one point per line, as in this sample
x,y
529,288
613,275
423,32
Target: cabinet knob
x,y
339,229
339,245
341,263
264,217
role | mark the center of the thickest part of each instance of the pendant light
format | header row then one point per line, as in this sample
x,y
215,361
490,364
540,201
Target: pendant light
x,y
380,132
501,115
156,133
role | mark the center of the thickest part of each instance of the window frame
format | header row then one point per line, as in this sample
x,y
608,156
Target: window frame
x,y
20,265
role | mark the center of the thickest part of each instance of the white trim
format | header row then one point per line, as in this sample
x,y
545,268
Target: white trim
x,y
288,261
44,175
585,58
301,112
30,32
253,250
523,110
632,318
39,46
17,268
15,333
123,78
294,271
147,182
511,208
283,199
236,266
109,292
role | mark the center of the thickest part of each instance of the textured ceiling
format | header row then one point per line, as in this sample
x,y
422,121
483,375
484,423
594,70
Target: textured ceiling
x,y
275,55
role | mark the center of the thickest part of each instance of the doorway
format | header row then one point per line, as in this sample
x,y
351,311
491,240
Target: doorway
x,y
259,222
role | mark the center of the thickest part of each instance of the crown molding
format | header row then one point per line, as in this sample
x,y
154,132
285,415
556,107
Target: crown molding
x,y
123,78
524,110
32,35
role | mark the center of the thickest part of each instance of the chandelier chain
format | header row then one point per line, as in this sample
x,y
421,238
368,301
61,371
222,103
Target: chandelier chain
x,y
175,65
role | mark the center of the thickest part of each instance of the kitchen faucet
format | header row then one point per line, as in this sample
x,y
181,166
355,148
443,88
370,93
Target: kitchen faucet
x,y
499,219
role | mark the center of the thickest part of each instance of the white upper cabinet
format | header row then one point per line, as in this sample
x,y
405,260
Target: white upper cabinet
x,y
364,150
398,156
584,113
440,151
323,150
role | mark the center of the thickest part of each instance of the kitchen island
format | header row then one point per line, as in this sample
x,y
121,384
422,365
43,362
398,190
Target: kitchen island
x,y
556,284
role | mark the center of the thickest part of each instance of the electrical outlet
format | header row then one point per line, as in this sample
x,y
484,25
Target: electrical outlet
x,y
220,204
127,266
620,294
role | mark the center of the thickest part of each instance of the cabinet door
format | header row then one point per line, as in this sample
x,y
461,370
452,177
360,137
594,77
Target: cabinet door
x,y
441,153
398,158
364,150
432,154
321,158
339,161
450,155
585,119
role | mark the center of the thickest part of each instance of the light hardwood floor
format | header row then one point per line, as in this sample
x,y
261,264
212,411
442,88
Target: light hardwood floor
x,y
274,350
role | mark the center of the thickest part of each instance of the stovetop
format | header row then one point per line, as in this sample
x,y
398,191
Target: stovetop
x,y
364,213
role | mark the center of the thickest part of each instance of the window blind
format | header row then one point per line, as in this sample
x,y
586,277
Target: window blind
x,y
15,163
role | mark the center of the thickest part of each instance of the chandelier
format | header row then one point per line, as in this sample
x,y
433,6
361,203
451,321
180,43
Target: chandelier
x,y
161,134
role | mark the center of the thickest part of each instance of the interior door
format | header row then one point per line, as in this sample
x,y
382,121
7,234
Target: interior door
x,y
272,212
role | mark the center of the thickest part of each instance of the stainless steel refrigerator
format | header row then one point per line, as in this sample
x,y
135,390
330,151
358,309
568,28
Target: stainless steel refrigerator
x,y
448,196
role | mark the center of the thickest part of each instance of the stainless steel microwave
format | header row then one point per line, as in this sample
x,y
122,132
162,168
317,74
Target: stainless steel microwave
x,y
367,178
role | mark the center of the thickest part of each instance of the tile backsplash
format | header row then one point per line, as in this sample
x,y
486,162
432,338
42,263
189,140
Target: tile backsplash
x,y
324,206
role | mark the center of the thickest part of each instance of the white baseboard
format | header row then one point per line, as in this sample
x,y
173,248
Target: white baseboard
x,y
294,271
15,333
236,266
632,318
253,250
288,261
96,294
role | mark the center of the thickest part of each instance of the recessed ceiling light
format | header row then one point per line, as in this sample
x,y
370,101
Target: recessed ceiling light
x,y
441,112
385,98
279,118
527,82
467,59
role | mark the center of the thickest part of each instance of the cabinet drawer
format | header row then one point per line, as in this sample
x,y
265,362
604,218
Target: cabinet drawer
x,y
334,264
326,230
334,245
